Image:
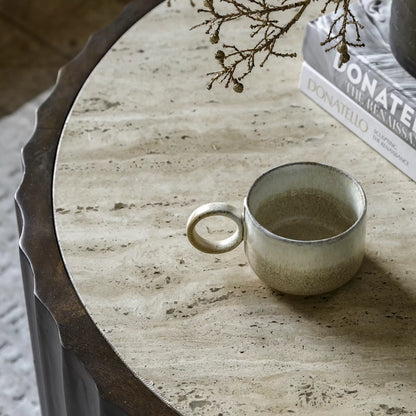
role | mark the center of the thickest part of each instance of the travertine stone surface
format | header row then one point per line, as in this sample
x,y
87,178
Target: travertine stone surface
x,y
145,144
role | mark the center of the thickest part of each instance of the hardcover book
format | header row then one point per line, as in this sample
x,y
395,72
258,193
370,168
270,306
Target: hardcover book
x,y
358,120
372,77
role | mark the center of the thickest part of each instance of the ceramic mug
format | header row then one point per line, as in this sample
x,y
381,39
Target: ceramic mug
x,y
303,226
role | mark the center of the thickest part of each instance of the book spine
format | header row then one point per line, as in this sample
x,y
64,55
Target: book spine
x,y
359,121
365,86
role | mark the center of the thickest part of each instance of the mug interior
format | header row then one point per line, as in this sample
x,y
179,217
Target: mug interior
x,y
306,201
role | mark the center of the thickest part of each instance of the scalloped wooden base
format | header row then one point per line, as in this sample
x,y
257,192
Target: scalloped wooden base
x,y
78,373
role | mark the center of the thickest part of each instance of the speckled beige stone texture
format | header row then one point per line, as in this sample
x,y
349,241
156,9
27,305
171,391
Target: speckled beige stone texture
x,y
145,144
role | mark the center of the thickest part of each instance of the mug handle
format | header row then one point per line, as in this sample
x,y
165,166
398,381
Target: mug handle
x,y
209,210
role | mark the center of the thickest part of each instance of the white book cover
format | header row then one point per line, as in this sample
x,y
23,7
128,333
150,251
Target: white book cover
x,y
359,121
372,77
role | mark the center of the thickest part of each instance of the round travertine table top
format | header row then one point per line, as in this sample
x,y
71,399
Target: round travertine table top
x,y
144,145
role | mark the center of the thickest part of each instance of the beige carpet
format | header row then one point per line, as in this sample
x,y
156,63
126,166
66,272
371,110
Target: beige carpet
x,y
18,391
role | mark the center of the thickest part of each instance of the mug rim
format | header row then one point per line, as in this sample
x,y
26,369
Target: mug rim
x,y
308,242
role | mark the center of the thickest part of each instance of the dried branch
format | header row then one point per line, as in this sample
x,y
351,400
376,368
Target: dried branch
x,y
266,29
337,35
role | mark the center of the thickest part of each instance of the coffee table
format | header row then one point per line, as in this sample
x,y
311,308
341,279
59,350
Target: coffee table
x,y
126,317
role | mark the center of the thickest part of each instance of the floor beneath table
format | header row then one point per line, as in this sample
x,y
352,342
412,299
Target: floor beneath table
x,y
38,37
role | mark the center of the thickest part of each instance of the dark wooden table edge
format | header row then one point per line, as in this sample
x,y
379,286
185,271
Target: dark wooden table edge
x,y
78,372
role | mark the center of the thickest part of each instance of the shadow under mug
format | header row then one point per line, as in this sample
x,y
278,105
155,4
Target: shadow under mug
x,y
303,226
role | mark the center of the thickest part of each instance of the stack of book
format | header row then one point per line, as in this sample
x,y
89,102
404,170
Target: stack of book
x,y
371,94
